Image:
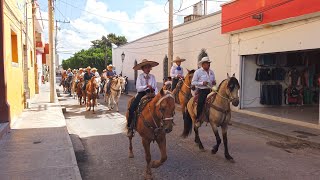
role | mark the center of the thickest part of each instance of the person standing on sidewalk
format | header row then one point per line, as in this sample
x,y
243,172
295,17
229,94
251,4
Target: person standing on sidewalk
x,y
203,79
146,83
176,72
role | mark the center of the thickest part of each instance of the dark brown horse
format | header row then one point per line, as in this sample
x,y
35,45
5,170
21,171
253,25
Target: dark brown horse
x,y
155,120
91,94
81,93
218,114
184,93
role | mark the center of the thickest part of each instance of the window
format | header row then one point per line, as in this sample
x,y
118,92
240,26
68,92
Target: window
x,y
14,47
135,72
31,58
165,67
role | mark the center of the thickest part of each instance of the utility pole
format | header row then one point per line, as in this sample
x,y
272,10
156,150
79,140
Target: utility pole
x,y
170,41
4,105
205,2
51,53
25,62
56,38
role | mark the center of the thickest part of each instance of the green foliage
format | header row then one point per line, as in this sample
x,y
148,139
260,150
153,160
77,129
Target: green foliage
x,y
96,55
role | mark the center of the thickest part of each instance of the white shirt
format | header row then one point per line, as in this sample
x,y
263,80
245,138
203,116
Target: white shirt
x,y
174,72
201,76
141,84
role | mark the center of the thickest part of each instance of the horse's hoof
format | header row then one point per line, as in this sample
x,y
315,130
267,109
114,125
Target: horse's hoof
x,y
202,150
229,158
117,110
131,155
148,176
214,151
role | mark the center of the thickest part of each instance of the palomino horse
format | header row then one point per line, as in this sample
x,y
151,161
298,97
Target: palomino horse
x,y
184,93
153,122
219,113
116,86
91,93
74,87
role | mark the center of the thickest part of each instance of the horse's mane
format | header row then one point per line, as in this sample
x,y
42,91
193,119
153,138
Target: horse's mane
x,y
191,71
232,81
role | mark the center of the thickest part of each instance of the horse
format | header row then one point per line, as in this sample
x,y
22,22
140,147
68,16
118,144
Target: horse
x,y
154,121
218,113
80,92
91,93
74,87
67,84
183,94
116,86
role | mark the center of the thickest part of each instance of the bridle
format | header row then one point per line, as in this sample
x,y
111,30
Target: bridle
x,y
223,97
158,128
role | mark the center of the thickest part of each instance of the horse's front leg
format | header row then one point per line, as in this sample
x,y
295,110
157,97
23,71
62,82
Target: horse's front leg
x,y
117,103
146,145
197,138
218,139
225,143
163,150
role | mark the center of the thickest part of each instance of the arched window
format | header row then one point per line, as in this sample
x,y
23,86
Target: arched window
x,y
135,72
202,54
165,67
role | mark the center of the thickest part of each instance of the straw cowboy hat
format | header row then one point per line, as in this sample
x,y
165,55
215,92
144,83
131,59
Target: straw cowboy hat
x,y
178,59
94,69
145,62
80,69
69,69
204,59
88,67
104,70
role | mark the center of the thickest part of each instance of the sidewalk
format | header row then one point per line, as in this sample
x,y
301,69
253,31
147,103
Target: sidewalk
x,y
38,145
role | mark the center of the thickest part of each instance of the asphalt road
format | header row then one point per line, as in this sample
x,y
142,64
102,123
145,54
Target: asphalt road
x,y
256,155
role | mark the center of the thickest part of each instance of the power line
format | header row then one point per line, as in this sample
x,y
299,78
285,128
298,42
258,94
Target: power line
x,y
228,22
109,17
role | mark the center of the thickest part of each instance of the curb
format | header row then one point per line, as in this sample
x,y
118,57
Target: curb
x,y
70,145
273,133
4,129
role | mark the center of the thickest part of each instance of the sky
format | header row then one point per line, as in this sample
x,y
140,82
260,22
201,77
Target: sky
x,y
91,19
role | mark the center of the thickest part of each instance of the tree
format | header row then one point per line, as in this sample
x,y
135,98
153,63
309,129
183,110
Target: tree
x,y
96,55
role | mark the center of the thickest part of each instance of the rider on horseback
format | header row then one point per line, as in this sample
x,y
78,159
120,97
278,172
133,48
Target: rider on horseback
x,y
110,74
176,72
146,83
87,76
203,78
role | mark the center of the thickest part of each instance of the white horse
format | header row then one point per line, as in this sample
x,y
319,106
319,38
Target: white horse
x,y
112,99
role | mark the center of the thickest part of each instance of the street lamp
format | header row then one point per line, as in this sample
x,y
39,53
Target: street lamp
x,y
122,58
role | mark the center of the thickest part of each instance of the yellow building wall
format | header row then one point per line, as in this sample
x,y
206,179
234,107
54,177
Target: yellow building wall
x,y
14,71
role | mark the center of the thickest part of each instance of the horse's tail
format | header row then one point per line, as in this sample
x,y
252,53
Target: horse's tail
x,y
187,129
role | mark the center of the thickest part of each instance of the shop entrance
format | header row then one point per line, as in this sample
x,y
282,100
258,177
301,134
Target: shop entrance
x,y
283,85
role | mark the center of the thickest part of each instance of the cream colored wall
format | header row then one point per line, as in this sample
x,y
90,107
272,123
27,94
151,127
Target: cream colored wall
x,y
189,48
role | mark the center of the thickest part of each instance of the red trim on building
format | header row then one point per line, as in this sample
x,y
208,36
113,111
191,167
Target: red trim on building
x,y
237,15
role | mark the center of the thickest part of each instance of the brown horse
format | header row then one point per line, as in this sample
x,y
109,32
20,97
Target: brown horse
x,y
91,93
154,121
81,93
184,94
218,114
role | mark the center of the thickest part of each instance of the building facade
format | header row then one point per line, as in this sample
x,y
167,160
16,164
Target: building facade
x,y
19,54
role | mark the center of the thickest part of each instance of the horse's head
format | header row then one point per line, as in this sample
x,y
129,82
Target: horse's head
x,y
165,110
122,82
94,84
189,76
233,87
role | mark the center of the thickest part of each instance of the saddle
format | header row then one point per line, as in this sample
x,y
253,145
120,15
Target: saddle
x,y
209,100
143,103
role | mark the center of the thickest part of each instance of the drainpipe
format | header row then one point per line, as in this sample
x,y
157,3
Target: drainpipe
x,y
25,62
35,48
4,106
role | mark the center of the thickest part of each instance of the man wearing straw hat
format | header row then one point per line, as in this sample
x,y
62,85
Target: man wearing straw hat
x,y
110,74
203,79
87,76
146,83
176,72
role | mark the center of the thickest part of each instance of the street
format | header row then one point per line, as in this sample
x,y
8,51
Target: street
x,y
257,156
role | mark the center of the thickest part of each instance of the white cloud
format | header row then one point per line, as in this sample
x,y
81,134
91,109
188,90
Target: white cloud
x,y
81,31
